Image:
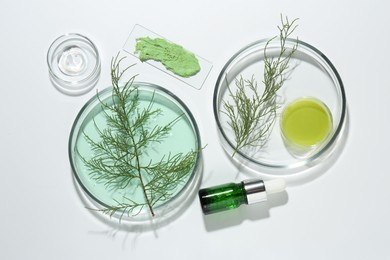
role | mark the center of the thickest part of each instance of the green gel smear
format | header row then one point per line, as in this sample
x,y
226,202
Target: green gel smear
x,y
174,57
306,122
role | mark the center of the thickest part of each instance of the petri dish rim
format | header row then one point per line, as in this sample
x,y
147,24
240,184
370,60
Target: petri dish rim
x,y
180,197
298,166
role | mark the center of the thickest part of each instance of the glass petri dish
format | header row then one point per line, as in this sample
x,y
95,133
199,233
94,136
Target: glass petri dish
x,y
182,138
310,74
74,64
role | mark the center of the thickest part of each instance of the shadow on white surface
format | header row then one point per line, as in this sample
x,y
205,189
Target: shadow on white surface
x,y
235,217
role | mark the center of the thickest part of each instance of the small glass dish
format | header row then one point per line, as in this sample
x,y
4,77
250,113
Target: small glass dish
x,y
183,137
310,74
74,64
305,124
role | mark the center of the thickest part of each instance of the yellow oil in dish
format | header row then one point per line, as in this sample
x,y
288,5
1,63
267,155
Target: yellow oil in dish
x,y
306,122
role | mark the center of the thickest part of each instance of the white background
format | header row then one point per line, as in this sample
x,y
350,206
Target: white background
x,y
343,214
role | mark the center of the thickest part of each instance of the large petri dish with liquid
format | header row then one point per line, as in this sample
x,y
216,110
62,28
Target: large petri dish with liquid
x,y
182,138
312,89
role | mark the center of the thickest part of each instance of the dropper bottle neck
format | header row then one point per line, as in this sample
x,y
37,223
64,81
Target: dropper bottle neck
x,y
255,191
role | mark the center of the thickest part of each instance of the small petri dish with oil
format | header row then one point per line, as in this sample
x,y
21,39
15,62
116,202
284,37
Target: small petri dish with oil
x,y
305,124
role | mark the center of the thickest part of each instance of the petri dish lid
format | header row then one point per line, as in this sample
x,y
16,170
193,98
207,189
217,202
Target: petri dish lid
x,y
74,64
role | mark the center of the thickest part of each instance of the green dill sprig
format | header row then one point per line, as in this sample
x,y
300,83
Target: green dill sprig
x,y
252,113
120,154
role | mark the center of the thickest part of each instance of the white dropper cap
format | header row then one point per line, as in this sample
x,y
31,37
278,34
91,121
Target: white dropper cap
x,y
275,185
257,190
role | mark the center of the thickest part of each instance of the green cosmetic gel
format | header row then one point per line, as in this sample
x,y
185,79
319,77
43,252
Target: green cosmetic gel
x,y
306,122
174,57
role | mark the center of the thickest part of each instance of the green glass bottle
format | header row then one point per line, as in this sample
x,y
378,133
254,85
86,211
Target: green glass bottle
x,y
232,195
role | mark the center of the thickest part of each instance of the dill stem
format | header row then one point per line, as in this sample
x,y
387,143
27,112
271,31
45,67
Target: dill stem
x,y
251,115
122,104
140,176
